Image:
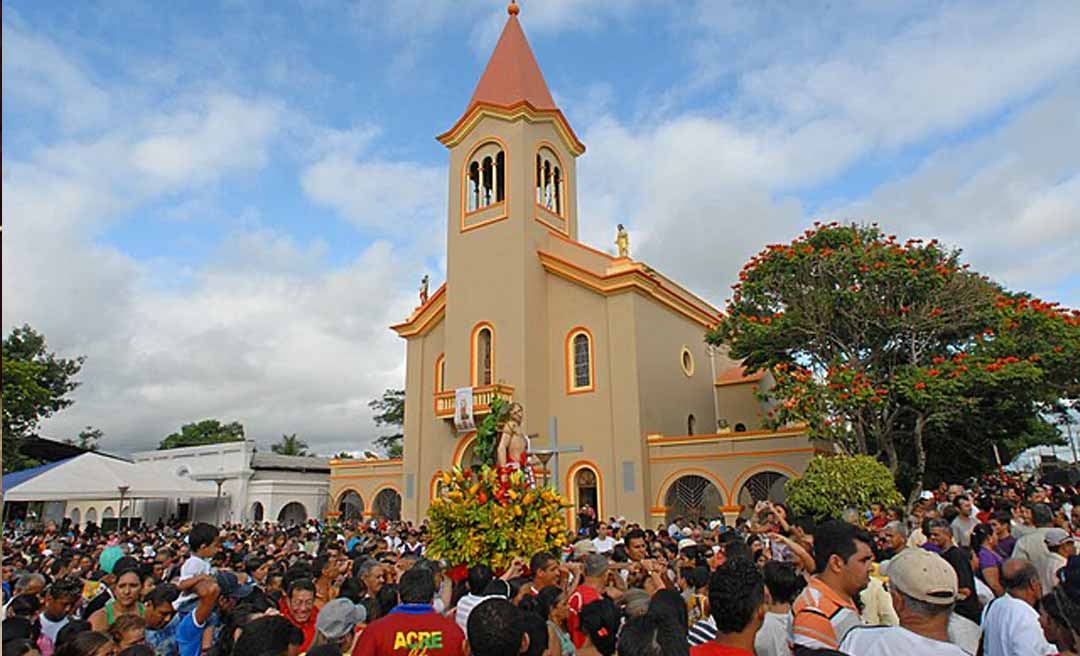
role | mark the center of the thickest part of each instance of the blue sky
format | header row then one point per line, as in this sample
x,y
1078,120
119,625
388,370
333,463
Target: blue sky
x,y
225,204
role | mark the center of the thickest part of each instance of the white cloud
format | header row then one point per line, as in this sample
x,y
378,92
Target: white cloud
x,y
36,72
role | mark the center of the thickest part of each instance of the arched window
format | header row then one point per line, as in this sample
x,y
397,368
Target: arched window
x,y
691,423
485,183
483,355
549,181
440,373
579,361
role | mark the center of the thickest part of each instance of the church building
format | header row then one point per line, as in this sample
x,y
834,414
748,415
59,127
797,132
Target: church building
x,y
628,408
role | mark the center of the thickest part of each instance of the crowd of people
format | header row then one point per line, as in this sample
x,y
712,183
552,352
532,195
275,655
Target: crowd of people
x,y
987,568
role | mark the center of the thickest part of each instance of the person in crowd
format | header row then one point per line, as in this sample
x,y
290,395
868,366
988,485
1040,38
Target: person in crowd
x,y
60,599
413,626
825,610
1059,545
204,542
941,536
668,610
125,599
591,589
782,585
272,635
988,561
600,623
737,605
478,579
546,571
336,625
128,630
298,606
88,643
923,587
1001,522
550,604
1010,623
161,619
1032,545
964,522
603,541
497,628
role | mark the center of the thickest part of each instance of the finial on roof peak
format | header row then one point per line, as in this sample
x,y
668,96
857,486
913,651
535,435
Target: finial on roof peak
x,y
512,8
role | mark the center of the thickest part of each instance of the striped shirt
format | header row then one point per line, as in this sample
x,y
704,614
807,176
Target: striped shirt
x,y
701,632
465,606
822,617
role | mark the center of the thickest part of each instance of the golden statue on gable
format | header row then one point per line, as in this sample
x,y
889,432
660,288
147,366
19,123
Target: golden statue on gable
x,y
622,241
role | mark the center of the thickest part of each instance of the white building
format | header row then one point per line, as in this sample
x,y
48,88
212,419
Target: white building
x,y
254,486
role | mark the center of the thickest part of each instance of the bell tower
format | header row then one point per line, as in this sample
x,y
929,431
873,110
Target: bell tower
x,y
513,187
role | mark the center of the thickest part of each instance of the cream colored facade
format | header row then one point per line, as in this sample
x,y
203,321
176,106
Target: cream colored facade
x,y
646,414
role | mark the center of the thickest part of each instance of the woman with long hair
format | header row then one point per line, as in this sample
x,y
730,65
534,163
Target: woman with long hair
x,y
550,604
125,600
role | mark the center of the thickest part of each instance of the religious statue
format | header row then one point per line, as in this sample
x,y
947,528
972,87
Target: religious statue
x,y
512,452
622,241
423,289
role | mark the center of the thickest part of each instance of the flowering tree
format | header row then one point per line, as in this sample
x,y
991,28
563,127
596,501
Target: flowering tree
x,y
898,350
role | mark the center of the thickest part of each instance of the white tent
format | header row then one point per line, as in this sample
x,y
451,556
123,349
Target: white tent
x,y
92,476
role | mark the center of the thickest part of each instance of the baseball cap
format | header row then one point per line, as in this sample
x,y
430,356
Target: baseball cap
x,y
338,618
1055,537
926,495
584,548
924,576
230,585
686,543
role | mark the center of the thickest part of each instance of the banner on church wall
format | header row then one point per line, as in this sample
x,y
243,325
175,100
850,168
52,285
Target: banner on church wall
x,y
463,410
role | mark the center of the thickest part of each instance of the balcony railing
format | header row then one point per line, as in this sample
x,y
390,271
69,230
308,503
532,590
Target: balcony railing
x,y
482,398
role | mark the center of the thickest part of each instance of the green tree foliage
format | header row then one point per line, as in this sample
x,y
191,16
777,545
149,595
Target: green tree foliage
x,y
291,445
833,484
390,413
487,433
36,384
207,431
89,438
899,351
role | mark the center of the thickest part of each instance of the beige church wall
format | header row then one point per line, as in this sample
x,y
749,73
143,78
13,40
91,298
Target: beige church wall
x,y
367,478
738,404
726,460
603,420
668,396
428,439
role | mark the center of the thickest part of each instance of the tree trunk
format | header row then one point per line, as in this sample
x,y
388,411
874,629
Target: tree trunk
x,y
920,460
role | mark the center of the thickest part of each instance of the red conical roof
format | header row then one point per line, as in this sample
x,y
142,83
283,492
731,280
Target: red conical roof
x,y
512,74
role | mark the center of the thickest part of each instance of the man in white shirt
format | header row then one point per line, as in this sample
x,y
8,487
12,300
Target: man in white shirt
x,y
603,541
1032,546
1010,623
964,523
1060,546
923,589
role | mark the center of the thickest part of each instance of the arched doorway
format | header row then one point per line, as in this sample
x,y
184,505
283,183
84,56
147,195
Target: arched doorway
x,y
762,486
257,511
351,506
75,516
586,493
693,497
91,516
292,513
108,513
387,504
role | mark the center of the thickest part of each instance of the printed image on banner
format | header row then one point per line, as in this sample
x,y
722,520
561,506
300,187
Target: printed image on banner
x,y
463,410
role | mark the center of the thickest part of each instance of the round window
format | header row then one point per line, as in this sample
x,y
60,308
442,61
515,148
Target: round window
x,y
687,361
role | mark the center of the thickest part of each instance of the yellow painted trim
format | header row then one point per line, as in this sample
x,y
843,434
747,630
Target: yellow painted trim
x,y
697,471
631,279
424,317
657,439
571,488
733,454
504,203
472,352
521,110
540,145
349,477
568,360
462,446
440,360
